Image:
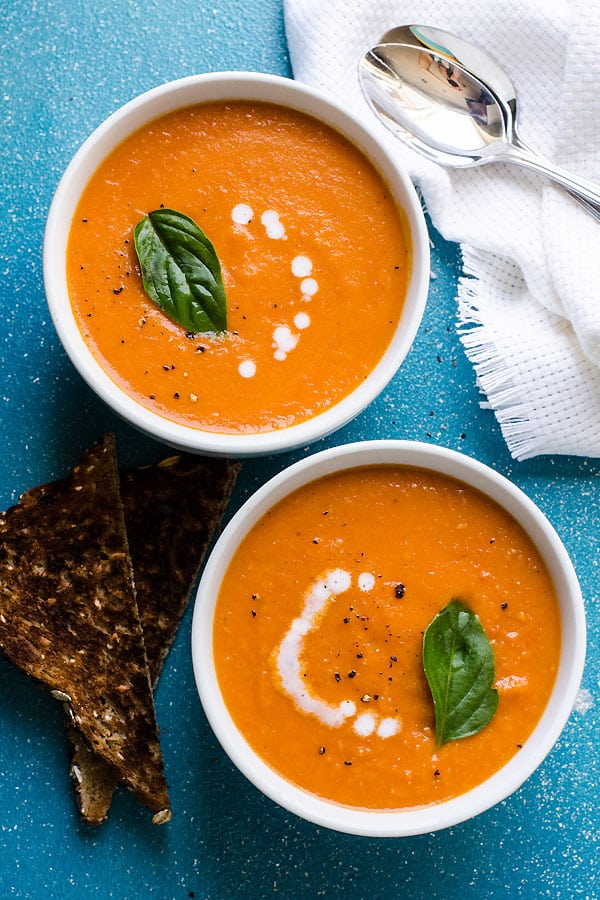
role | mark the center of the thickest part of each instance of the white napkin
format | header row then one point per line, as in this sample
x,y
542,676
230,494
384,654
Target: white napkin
x,y
529,303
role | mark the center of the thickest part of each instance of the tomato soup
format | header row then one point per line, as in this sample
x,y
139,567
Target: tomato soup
x,y
319,624
314,252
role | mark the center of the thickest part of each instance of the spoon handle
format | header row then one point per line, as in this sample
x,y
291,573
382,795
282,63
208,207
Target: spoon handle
x,y
585,192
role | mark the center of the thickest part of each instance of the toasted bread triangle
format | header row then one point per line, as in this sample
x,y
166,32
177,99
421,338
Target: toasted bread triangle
x,y
69,618
171,512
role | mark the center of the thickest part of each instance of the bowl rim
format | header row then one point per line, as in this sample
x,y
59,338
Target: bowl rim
x,y
205,87
416,820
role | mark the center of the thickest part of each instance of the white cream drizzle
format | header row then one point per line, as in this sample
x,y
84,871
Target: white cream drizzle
x,y
284,340
288,657
247,368
301,321
323,592
242,214
366,581
309,287
301,266
273,225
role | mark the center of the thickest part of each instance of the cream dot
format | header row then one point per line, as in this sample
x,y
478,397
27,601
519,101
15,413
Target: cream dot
x,y
338,581
301,321
273,225
388,728
364,724
283,341
309,287
301,266
366,581
347,708
247,368
242,214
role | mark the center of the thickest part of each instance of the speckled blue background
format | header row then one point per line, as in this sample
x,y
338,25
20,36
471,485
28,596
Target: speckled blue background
x,y
67,64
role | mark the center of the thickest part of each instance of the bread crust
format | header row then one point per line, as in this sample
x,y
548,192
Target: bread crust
x,y
69,617
172,510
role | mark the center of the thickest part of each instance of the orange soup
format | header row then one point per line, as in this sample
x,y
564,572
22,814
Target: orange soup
x,y
314,252
319,625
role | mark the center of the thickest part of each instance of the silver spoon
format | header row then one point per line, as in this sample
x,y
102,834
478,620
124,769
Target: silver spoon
x,y
453,103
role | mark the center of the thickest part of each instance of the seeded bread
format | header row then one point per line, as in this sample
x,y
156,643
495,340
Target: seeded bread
x,y
69,617
171,512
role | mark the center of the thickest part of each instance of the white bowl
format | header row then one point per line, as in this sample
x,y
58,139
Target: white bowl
x,y
520,767
186,92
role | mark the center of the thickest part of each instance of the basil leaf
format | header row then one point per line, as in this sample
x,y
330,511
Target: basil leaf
x,y
459,666
181,272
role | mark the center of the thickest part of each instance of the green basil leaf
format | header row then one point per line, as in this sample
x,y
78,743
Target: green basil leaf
x,y
459,666
181,272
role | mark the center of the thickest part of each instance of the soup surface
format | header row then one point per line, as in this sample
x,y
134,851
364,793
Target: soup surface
x,y
319,627
314,252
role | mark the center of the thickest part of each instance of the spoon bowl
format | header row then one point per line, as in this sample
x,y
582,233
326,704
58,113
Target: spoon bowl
x,y
434,104
453,103
465,54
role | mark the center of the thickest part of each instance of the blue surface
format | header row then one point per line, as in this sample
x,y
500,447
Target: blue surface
x,y
66,64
